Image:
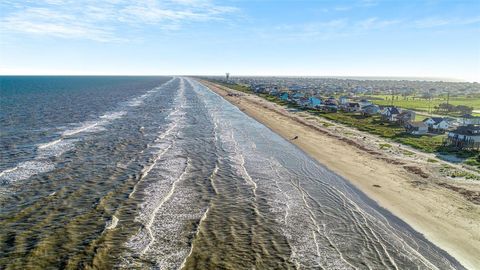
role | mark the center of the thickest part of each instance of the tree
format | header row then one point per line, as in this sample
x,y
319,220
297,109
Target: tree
x,y
462,109
444,107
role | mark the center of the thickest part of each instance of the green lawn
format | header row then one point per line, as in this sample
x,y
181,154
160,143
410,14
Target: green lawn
x,y
419,104
374,125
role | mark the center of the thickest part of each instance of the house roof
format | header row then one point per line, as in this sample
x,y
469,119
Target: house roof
x,y
393,110
436,120
471,130
371,106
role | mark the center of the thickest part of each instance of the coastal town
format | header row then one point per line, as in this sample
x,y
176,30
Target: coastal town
x,y
431,116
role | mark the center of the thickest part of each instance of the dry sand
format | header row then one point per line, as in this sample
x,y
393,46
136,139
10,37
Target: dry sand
x,y
447,212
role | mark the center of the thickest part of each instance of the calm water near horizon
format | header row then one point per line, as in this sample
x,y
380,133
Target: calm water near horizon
x,y
162,173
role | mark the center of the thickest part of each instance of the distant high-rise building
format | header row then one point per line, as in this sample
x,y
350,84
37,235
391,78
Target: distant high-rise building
x,y
227,75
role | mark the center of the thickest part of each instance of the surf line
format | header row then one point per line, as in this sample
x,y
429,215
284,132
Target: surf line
x,y
46,145
8,170
204,216
196,235
148,226
245,175
145,172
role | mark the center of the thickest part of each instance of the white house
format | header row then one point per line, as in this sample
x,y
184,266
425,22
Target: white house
x,y
390,113
437,123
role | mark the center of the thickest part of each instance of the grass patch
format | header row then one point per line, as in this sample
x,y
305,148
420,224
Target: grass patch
x,y
393,131
408,153
420,104
325,124
385,145
432,160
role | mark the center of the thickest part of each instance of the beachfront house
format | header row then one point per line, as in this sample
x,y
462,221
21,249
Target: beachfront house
x,y
437,124
331,101
370,110
364,103
273,91
351,107
258,88
343,100
328,108
464,137
304,102
390,114
314,102
298,95
469,119
416,128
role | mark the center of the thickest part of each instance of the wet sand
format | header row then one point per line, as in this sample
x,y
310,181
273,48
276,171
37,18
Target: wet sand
x,y
445,216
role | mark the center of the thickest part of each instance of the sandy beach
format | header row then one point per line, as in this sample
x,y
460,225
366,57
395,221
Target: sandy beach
x,y
446,211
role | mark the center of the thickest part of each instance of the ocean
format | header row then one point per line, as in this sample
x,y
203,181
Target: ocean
x,y
162,173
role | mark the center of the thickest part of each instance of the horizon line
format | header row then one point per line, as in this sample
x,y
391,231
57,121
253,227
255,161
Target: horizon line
x,y
346,77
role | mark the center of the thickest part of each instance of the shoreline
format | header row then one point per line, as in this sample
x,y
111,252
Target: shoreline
x,y
439,211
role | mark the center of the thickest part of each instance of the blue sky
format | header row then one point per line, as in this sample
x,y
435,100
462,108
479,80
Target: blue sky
x,y
319,38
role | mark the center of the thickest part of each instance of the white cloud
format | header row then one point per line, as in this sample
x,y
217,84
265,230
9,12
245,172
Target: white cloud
x,y
332,29
342,27
375,23
104,20
439,22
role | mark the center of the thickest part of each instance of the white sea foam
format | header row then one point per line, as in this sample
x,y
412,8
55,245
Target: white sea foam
x,y
95,126
149,224
25,170
84,127
49,144
134,103
8,171
55,148
111,224
113,115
